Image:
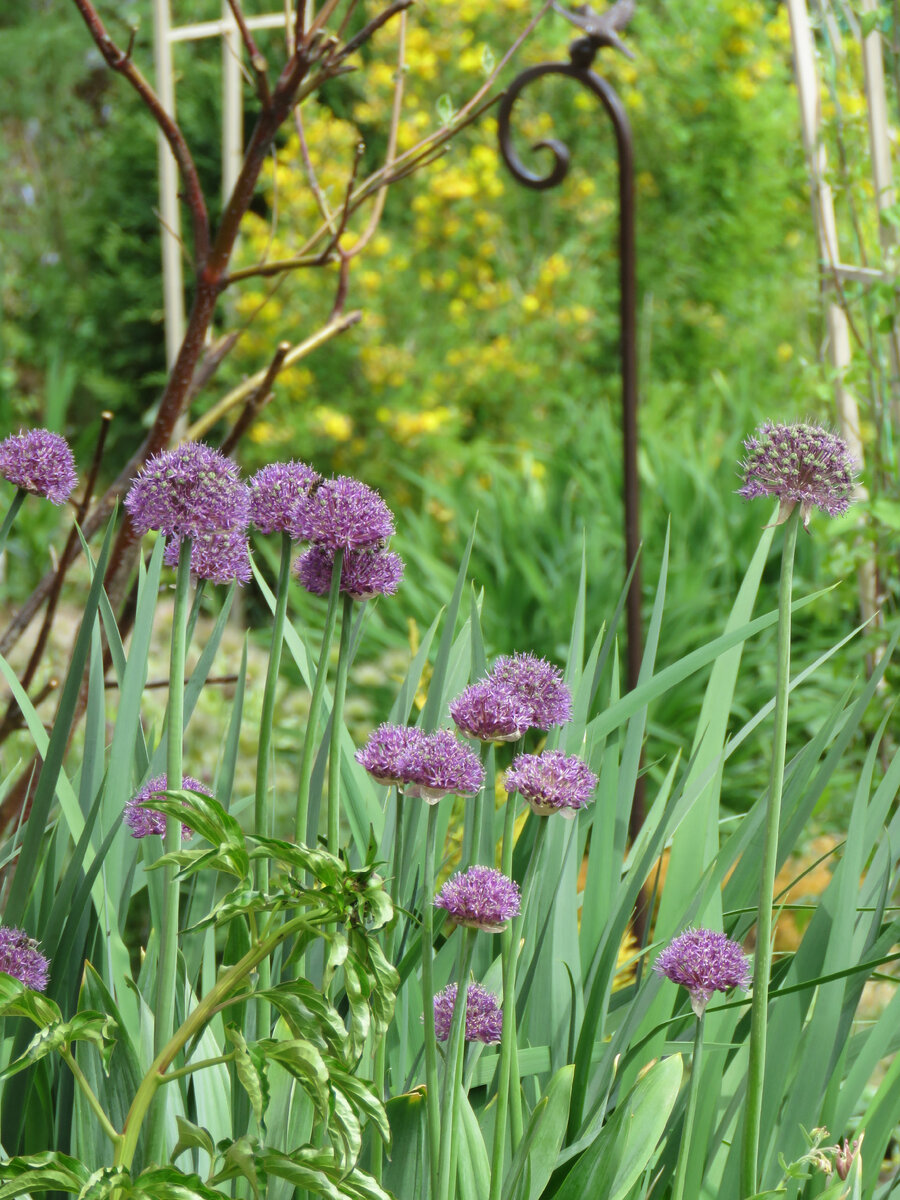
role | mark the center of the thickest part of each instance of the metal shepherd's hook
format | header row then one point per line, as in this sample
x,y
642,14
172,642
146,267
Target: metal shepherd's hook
x,y
599,31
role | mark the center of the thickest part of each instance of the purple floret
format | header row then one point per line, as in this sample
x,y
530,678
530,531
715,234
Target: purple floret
x,y
275,493
481,898
799,464
441,765
539,685
484,1016
342,514
492,712
551,782
391,753
187,492
41,462
20,957
144,821
364,573
704,962
216,557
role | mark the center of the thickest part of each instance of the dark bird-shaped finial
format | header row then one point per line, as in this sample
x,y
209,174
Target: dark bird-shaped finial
x,y
601,28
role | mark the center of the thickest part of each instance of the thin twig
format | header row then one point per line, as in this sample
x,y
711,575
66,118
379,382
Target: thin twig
x,y
257,399
312,178
121,61
218,680
373,26
258,62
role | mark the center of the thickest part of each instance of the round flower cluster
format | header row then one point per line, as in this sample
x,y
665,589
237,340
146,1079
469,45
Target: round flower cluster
x,y
144,821
484,1017
364,573
427,765
20,957
480,898
41,462
704,962
551,782
521,692
275,493
195,492
799,464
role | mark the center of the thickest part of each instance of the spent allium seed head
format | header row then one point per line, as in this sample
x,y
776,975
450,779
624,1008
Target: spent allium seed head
x,y
799,464
491,711
275,492
391,753
216,557
342,514
189,491
364,573
484,1016
20,957
144,821
442,765
551,782
539,685
39,461
704,962
481,898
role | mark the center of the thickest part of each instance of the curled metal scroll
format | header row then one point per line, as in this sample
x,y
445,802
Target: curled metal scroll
x,y
581,56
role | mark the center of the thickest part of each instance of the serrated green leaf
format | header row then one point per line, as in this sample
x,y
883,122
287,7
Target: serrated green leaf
x,y
191,1136
303,1009
168,1183
16,1000
46,1172
103,1182
85,1026
250,1064
305,1063
240,1160
362,1098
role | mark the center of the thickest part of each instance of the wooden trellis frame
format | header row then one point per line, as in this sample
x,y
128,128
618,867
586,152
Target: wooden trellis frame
x,y
165,38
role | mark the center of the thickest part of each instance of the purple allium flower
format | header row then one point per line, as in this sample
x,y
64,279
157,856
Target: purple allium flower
x,y
144,821
484,1016
391,752
189,491
217,557
539,685
704,962
364,573
342,514
39,461
491,711
800,464
20,957
275,492
481,898
551,782
441,765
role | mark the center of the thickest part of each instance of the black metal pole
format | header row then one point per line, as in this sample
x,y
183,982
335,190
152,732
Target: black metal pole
x,y
581,58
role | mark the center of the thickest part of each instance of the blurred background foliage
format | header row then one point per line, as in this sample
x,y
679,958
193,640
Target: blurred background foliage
x,y
483,378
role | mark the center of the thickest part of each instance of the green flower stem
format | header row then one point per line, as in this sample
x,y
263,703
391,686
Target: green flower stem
x,y
379,1070
96,1107
166,971
687,1132
11,513
508,955
301,831
194,1023
453,1065
199,1066
762,967
337,727
433,1109
262,809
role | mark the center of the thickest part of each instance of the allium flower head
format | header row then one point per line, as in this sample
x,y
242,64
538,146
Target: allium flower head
x,y
800,464
391,753
20,957
189,491
539,685
551,782
481,898
364,573
216,557
484,1016
492,712
704,962
275,492
39,461
442,765
144,821
342,514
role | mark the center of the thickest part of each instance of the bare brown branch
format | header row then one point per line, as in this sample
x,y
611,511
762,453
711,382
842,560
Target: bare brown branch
x,y
257,400
258,63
